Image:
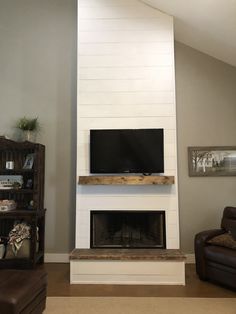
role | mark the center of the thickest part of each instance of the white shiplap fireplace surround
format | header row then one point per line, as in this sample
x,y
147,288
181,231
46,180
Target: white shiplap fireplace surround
x,y
125,80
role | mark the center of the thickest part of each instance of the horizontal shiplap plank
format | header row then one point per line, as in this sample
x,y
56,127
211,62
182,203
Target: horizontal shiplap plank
x,y
119,123
170,150
164,74
138,10
150,60
122,98
82,242
84,215
107,111
124,36
172,230
124,85
100,3
115,193
124,48
156,24
170,137
83,229
124,202
124,271
172,243
172,216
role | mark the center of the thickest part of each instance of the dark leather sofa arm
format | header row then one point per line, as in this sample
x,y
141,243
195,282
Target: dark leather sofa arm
x,y
199,244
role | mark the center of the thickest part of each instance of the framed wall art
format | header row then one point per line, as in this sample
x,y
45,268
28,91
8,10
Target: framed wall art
x,y
29,161
212,161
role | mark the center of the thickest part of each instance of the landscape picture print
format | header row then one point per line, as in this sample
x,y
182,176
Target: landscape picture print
x,y
212,161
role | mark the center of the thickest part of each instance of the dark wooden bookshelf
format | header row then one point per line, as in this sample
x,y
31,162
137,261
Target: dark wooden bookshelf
x,y
20,191
30,201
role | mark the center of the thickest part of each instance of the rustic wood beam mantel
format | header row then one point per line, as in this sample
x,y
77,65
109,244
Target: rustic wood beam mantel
x,y
126,180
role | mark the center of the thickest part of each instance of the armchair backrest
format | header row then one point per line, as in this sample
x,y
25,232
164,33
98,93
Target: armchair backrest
x,y
228,221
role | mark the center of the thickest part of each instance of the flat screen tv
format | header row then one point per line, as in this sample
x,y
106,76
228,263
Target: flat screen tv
x,y
127,151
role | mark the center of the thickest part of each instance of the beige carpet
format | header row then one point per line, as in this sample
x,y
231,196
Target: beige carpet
x,y
118,305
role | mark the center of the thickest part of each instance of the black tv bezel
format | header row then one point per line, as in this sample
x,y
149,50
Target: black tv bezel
x,y
139,171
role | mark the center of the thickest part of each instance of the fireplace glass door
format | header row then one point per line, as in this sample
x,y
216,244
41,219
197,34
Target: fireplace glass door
x,y
127,229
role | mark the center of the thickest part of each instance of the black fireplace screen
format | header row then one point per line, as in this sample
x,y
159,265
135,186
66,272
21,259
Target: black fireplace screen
x,y
127,229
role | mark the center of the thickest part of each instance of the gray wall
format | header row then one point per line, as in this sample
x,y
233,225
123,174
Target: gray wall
x,y
206,113
38,78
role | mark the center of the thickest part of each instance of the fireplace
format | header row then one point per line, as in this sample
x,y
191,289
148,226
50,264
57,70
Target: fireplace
x,y
127,229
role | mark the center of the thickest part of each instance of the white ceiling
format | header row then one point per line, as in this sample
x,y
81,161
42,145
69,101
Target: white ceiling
x,y
206,25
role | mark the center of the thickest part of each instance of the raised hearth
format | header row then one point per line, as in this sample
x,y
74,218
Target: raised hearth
x,y
127,266
127,254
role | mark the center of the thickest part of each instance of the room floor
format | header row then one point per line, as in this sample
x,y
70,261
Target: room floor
x,y
59,285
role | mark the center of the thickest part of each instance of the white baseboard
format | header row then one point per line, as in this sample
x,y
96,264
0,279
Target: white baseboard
x,y
190,258
64,258
56,258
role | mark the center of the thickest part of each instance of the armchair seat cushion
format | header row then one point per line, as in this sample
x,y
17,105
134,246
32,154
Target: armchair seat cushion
x,y
221,255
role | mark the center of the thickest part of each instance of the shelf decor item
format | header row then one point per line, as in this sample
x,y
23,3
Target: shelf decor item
x,y
29,128
29,161
7,205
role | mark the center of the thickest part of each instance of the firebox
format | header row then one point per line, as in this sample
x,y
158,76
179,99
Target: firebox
x,y
127,229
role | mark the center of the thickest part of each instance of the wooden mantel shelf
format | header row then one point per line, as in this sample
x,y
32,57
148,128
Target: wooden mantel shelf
x,y
126,180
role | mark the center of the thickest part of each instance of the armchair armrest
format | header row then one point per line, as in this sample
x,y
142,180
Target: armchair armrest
x,y
204,236
199,243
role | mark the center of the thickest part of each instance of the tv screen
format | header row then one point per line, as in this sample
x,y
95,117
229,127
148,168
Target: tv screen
x,y
127,151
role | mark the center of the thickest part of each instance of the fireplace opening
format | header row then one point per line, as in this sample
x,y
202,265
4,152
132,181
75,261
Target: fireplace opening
x,y
127,229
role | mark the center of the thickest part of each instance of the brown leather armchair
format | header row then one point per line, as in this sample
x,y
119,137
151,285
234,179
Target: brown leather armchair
x,y
217,263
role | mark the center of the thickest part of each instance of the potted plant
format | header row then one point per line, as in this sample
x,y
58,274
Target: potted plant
x,y
29,127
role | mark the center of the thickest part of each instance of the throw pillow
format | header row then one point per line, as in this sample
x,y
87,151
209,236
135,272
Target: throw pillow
x,y
225,240
232,231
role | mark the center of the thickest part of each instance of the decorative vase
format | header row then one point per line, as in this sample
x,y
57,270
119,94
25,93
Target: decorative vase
x,y
29,136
